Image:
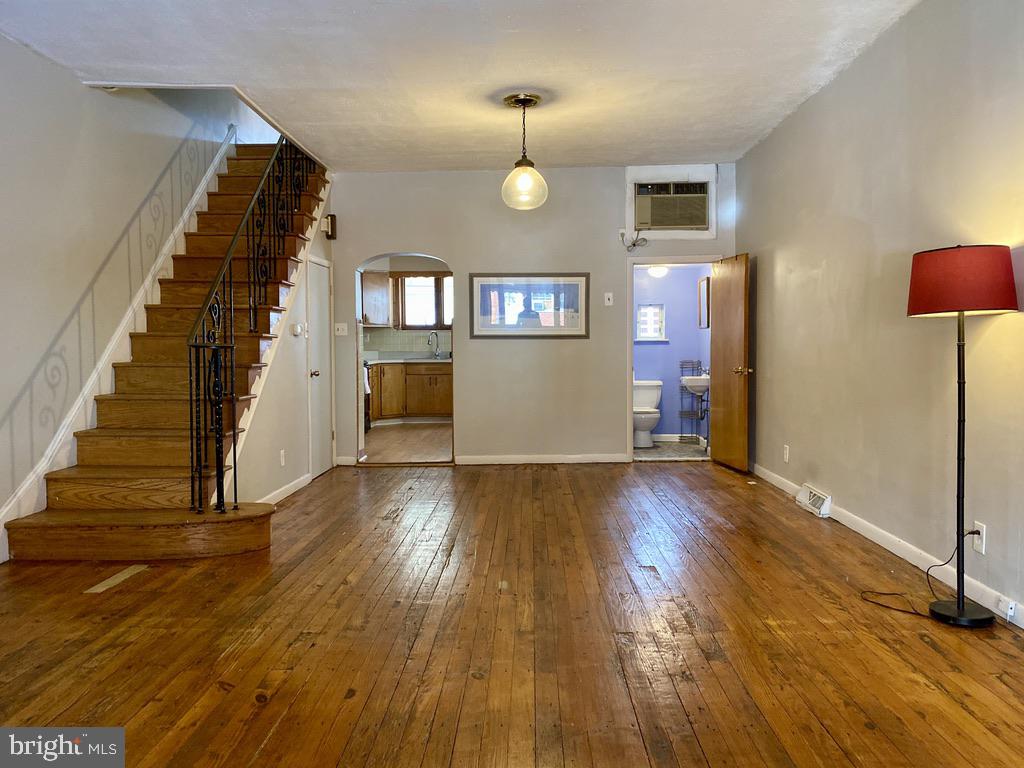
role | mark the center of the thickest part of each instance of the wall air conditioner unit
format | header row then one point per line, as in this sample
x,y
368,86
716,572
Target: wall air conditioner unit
x,y
814,501
671,205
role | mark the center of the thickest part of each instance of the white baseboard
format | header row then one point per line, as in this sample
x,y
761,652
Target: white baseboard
x,y
976,590
30,495
287,490
554,458
777,480
345,461
411,420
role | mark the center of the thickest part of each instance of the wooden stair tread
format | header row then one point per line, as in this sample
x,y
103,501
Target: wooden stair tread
x,y
122,472
248,195
239,308
163,364
132,518
206,281
240,174
229,236
182,334
156,396
146,432
214,256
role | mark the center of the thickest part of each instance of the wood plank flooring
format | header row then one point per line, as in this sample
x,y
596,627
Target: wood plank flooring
x,y
579,615
416,442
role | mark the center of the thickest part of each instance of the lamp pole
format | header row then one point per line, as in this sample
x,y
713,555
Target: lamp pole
x,y
961,437
959,611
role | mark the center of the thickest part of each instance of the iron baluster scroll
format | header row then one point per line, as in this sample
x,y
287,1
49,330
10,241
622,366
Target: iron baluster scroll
x,y
262,240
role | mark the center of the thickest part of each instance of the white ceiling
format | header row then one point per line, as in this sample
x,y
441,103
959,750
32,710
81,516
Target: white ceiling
x,y
416,84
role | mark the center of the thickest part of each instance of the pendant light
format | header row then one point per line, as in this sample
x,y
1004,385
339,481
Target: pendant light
x,y
524,188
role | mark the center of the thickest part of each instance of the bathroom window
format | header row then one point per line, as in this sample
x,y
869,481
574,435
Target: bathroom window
x,y
650,322
426,301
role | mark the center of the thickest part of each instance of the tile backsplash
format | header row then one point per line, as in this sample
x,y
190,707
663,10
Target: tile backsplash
x,y
391,340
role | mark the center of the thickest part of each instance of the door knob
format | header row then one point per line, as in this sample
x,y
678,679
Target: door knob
x,y
314,373
742,371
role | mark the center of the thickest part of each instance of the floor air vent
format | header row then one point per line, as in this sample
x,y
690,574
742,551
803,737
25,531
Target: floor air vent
x,y
814,501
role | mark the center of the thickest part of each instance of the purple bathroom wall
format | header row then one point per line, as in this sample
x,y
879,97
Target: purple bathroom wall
x,y
659,360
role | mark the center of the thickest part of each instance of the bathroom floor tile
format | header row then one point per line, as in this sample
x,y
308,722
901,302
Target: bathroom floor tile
x,y
671,452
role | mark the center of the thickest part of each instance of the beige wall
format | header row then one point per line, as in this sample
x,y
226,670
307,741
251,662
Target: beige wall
x,y
535,398
91,183
917,145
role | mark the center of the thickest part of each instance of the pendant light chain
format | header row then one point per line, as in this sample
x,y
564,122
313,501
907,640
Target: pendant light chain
x,y
524,130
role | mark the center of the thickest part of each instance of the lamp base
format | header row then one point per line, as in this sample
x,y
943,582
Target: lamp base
x,y
973,615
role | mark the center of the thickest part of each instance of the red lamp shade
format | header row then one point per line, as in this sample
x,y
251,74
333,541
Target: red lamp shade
x,y
974,279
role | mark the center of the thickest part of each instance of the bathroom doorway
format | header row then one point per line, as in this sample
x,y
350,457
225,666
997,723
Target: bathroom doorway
x,y
670,359
405,304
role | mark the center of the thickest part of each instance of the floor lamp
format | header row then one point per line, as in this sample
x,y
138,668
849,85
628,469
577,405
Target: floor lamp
x,y
955,282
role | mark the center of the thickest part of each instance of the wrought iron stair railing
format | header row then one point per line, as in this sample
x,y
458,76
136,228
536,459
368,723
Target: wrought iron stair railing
x,y
263,232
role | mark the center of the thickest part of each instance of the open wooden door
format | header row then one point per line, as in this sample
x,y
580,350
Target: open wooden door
x,y
730,359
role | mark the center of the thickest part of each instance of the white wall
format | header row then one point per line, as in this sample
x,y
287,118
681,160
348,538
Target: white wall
x,y
91,184
280,418
513,398
917,145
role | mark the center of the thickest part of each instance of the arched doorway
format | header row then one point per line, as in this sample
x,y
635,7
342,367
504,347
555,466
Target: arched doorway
x,y
405,303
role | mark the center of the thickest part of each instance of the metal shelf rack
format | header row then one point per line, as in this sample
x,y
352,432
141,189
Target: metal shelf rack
x,y
693,408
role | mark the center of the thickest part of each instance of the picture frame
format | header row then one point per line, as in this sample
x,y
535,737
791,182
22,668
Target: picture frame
x,y
704,302
529,305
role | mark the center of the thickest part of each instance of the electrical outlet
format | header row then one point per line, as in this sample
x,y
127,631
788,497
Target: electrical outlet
x,y
282,457
609,299
1011,611
979,541
785,454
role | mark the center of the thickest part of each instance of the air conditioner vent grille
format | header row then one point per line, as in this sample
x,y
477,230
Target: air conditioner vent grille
x,y
814,501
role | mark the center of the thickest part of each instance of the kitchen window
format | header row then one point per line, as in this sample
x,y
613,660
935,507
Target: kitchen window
x,y
426,301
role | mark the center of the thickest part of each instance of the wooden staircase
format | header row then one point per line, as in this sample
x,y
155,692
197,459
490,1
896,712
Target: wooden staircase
x,y
128,497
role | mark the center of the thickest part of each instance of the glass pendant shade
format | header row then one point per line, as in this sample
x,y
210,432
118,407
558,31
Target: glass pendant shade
x,y
524,188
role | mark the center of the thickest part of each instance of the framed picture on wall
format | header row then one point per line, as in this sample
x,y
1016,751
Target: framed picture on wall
x,y
529,305
704,302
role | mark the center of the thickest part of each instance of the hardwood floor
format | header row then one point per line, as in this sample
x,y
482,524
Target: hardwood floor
x,y
612,615
415,442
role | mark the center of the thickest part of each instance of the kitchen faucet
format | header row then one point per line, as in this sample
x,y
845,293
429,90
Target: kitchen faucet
x,y
437,344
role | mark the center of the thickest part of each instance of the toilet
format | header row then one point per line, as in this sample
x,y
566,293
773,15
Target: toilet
x,y
646,397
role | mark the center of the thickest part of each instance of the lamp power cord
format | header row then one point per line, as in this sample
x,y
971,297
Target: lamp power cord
x,y
869,595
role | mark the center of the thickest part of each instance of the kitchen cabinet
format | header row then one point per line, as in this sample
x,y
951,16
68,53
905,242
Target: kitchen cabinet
x,y
375,392
428,389
392,390
376,295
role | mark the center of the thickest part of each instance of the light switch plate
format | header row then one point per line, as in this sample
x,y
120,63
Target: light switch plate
x,y
341,329
609,299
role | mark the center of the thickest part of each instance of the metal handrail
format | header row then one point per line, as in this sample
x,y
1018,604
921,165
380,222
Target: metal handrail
x,y
266,222
212,293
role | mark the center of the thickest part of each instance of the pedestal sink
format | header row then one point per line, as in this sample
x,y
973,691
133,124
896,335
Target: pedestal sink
x,y
696,385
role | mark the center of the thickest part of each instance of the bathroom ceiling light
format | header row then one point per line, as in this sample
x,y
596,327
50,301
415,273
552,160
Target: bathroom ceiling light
x,y
524,188
657,270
